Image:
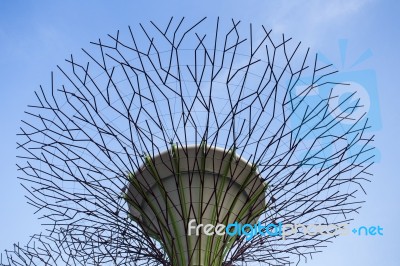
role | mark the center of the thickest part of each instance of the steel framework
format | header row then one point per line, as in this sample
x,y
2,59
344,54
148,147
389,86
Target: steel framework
x,y
208,84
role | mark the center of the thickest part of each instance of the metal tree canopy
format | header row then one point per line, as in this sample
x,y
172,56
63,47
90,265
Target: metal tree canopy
x,y
208,121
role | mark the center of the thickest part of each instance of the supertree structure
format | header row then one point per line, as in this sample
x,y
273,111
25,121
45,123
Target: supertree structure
x,y
208,121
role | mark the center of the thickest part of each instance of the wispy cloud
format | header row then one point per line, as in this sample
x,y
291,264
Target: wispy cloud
x,y
309,18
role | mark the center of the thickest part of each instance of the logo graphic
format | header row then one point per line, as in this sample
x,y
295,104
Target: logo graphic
x,y
352,97
279,230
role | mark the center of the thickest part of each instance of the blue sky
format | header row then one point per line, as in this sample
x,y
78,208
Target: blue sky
x,y
35,36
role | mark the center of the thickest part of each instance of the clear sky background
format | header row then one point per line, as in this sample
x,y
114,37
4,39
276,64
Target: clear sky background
x,y
35,36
